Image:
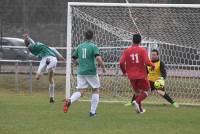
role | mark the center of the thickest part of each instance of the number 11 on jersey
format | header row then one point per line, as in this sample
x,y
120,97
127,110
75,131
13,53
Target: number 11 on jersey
x,y
84,50
135,58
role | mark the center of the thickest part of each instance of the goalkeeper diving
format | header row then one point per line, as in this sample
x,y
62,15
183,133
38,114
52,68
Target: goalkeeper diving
x,y
157,79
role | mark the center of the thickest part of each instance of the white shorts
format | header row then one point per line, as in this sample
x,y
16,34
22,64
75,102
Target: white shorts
x,y
43,65
86,81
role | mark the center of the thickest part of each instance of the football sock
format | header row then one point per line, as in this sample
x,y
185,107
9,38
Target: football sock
x,y
133,98
141,97
51,90
139,103
168,98
75,96
94,103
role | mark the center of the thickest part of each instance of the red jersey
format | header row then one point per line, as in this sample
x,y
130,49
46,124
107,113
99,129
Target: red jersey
x,y
134,61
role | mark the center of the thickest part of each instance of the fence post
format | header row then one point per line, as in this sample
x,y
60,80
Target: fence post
x,y
30,76
17,76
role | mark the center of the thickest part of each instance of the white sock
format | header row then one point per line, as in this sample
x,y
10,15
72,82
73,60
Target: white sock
x,y
75,96
51,90
94,103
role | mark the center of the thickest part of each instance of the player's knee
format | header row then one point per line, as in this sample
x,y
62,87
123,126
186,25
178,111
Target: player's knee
x,y
160,92
51,80
37,77
82,94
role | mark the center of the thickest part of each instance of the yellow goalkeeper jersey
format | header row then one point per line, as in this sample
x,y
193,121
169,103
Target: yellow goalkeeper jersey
x,y
156,73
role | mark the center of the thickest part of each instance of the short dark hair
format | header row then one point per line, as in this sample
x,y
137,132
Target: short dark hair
x,y
89,34
155,50
137,38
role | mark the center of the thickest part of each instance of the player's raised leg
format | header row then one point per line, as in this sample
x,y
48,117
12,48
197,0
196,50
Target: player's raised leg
x,y
81,85
42,67
75,96
167,98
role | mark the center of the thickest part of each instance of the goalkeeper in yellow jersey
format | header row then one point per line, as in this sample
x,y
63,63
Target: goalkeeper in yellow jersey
x,y
158,73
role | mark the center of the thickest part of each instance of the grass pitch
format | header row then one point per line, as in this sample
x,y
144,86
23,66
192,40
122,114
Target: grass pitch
x,y
22,113
33,114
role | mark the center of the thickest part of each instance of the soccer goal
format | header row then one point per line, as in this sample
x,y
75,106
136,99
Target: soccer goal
x,y
172,28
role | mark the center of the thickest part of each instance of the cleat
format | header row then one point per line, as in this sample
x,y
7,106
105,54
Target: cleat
x,y
137,107
176,105
67,103
92,115
128,104
51,100
143,111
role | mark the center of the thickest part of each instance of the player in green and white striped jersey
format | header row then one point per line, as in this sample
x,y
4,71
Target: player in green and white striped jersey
x,y
48,61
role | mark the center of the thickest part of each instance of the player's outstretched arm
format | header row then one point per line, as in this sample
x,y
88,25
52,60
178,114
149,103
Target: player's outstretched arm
x,y
26,35
101,63
58,55
147,61
27,38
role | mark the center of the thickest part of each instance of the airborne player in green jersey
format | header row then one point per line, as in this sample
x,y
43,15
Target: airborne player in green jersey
x,y
48,61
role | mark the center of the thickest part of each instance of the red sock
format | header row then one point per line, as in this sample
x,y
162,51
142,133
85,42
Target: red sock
x,y
141,97
136,97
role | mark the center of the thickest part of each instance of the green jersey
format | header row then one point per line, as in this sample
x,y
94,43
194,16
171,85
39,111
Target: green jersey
x,y
40,50
86,54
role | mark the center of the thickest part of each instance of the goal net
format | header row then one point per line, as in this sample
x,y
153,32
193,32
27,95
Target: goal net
x,y
172,29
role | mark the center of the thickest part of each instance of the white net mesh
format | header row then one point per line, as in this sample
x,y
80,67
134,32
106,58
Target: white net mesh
x,y
172,30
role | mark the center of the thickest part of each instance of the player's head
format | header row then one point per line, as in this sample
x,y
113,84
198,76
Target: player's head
x,y
137,39
26,42
154,55
89,35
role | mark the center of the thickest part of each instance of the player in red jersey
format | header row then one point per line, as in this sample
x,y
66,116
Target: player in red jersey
x,y
133,63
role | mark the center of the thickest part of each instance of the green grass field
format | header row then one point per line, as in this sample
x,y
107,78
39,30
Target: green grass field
x,y
25,113
33,114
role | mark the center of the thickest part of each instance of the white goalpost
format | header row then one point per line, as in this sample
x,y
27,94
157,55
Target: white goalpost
x,y
173,29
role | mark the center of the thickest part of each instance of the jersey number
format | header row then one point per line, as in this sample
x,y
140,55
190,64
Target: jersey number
x,y
135,58
84,50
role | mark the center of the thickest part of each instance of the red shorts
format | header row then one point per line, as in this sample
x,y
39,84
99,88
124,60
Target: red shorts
x,y
140,84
